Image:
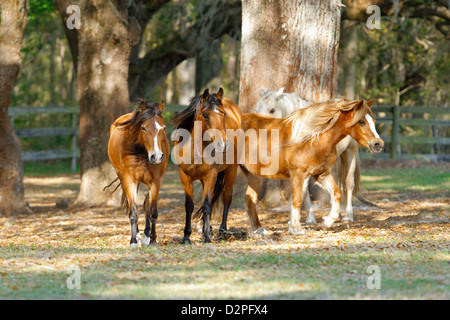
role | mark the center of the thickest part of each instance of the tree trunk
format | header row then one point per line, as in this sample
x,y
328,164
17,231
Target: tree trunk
x,y
105,40
13,21
351,56
290,44
185,72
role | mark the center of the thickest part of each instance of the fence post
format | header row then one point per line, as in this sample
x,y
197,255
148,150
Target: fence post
x,y
395,147
73,146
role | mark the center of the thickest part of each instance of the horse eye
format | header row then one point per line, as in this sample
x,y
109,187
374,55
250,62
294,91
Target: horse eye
x,y
361,122
272,111
143,128
205,115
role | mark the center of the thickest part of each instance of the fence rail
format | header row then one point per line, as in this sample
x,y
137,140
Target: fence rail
x,y
397,116
71,153
390,115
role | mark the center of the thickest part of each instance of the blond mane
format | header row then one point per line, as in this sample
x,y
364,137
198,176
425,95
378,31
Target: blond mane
x,y
309,123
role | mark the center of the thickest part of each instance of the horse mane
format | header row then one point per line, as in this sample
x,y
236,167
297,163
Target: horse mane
x,y
309,123
140,115
185,119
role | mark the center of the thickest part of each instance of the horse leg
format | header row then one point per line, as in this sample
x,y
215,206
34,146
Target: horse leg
x,y
130,190
251,198
350,154
229,179
152,213
327,181
208,187
310,218
188,205
297,182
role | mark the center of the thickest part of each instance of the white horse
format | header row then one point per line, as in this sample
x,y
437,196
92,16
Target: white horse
x,y
280,105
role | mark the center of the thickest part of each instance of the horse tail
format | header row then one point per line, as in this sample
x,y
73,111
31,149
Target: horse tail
x,y
217,193
358,187
110,184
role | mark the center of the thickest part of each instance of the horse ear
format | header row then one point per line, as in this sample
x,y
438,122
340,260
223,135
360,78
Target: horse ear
x,y
370,102
205,95
359,104
142,105
219,93
279,93
161,106
261,92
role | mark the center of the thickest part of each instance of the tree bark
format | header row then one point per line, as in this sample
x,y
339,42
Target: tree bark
x,y
350,55
105,40
290,44
13,21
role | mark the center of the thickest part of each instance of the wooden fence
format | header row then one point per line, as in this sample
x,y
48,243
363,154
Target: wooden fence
x,y
396,116
71,153
393,117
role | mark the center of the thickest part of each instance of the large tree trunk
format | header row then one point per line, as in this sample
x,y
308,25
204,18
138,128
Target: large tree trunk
x,y
13,21
350,55
104,45
290,44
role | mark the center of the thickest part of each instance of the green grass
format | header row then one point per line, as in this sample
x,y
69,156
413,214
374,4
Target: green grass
x,y
417,179
49,168
201,272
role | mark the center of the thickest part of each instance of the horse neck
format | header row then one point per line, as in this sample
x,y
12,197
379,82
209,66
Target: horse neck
x,y
334,135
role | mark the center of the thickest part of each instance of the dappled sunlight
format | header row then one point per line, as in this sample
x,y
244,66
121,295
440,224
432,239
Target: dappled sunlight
x,y
407,228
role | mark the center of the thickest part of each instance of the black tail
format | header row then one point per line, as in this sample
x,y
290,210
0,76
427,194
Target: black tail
x,y
110,184
218,189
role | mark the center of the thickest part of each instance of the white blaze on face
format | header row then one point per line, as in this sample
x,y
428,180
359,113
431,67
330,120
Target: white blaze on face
x,y
157,149
155,141
372,126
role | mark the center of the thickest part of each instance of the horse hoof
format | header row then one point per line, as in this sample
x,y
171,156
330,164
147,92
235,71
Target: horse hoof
x,y
347,219
327,223
296,231
261,231
186,241
135,245
310,222
146,241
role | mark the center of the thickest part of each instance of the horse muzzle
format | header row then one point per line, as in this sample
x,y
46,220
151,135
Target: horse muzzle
x,y
222,146
155,157
376,146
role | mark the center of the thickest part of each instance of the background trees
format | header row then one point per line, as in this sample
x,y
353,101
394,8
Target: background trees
x,y
129,49
12,26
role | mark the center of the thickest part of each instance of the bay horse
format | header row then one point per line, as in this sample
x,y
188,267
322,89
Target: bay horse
x,y
138,149
307,147
213,115
280,104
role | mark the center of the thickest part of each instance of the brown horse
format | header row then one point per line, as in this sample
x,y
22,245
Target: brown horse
x,y
306,147
138,149
206,154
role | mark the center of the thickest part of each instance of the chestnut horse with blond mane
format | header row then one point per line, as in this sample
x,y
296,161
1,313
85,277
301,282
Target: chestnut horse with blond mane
x,y
138,149
307,147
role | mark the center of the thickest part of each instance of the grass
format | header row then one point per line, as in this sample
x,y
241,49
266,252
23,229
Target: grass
x,y
38,251
176,272
407,179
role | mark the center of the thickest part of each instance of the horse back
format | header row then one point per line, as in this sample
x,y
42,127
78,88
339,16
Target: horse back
x,y
234,114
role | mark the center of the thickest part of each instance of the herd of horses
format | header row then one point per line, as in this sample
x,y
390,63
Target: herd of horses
x,y
294,140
